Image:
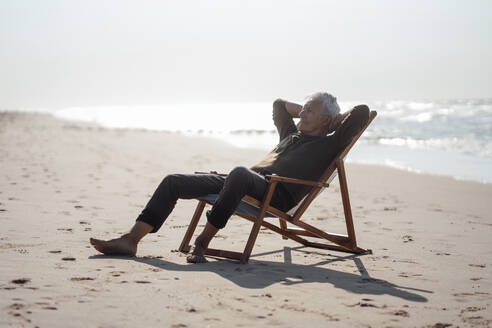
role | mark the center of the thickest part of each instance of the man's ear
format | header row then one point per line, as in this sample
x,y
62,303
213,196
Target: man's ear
x,y
326,120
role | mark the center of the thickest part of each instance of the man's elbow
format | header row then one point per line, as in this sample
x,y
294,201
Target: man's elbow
x,y
279,103
363,108
361,114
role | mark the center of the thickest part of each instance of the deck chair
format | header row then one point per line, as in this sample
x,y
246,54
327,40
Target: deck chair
x,y
256,211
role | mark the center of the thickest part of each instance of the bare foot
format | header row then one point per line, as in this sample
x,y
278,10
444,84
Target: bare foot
x,y
196,257
118,246
197,252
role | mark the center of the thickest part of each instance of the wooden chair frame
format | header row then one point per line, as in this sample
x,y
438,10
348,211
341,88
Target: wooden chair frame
x,y
339,242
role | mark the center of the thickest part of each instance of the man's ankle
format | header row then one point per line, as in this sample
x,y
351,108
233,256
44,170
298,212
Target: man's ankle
x,y
202,242
132,239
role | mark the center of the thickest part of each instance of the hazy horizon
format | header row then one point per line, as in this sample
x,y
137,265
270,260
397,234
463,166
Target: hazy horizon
x,y
56,54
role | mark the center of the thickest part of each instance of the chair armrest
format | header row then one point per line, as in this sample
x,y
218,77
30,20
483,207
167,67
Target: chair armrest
x,y
274,177
213,172
298,181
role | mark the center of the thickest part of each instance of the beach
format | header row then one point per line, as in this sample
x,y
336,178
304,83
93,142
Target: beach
x,y
63,182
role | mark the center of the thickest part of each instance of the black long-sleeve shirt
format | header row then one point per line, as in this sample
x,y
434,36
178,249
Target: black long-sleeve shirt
x,y
304,156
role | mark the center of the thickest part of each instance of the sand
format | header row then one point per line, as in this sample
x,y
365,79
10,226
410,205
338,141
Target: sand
x,y
63,182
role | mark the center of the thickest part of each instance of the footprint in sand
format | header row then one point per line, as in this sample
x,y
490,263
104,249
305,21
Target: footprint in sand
x,y
81,278
477,265
50,308
407,238
401,313
16,306
178,226
439,325
474,319
68,258
366,304
472,309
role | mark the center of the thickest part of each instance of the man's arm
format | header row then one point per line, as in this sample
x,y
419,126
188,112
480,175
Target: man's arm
x,y
337,121
283,118
293,109
351,125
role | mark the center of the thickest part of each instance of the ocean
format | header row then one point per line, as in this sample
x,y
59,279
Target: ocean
x,y
444,137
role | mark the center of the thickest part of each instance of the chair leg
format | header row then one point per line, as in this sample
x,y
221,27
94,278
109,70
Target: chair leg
x,y
346,204
185,244
251,240
283,226
257,224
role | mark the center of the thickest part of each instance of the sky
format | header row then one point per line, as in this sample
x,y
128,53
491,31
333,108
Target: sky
x,y
56,54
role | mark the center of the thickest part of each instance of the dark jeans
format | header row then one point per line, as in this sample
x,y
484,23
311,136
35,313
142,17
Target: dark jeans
x,y
240,181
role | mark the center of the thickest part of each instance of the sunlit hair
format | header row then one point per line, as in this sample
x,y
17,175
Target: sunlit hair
x,y
329,105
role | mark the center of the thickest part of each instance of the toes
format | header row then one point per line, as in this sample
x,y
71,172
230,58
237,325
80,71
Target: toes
x,y
97,244
94,241
196,259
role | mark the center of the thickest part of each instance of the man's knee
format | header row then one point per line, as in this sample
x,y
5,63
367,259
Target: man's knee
x,y
239,174
171,180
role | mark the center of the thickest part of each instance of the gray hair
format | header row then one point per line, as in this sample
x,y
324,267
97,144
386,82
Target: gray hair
x,y
329,105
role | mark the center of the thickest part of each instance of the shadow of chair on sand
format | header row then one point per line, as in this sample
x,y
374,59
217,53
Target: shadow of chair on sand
x,y
260,274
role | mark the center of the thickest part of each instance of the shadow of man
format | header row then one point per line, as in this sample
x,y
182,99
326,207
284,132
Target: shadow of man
x,y
259,274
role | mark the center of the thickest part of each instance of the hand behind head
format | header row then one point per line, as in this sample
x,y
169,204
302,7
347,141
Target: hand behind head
x,y
335,123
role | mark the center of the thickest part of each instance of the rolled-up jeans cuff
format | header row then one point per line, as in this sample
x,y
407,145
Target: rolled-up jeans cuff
x,y
219,224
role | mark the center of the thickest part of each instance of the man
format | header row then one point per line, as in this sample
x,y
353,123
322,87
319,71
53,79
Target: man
x,y
304,152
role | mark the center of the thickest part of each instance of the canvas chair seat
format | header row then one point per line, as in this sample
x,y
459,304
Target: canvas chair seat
x,y
255,211
243,207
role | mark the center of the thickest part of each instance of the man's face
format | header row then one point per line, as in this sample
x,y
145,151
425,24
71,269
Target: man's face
x,y
311,119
